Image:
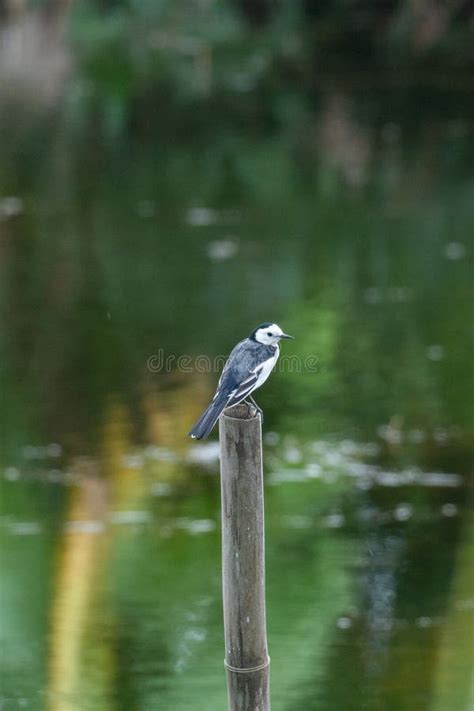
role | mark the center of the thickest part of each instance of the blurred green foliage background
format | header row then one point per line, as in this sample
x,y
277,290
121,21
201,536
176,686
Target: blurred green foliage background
x,y
172,174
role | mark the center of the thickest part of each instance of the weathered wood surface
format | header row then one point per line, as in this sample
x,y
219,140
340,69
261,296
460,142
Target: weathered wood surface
x,y
243,560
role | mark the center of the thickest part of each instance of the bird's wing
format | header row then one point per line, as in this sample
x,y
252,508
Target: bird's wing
x,y
237,363
241,372
243,389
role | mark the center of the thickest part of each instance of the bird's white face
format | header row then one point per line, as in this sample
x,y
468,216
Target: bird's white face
x,y
270,335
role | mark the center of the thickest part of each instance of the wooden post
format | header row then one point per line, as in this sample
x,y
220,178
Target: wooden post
x,y
243,560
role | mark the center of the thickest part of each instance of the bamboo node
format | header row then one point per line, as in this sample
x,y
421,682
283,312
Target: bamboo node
x,y
249,669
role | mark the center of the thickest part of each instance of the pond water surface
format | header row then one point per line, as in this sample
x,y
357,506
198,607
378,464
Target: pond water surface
x,y
117,258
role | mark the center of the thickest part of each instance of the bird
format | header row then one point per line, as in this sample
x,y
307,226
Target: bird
x,y
246,369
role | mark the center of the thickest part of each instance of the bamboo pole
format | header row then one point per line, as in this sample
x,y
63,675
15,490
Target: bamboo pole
x,y
243,560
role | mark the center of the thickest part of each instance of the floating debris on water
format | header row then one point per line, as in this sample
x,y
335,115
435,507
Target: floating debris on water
x,y
160,454
196,526
271,438
313,470
132,461
426,622
30,452
435,352
390,433
89,527
293,455
54,450
358,469
364,484
414,476
161,489
333,458
330,461
449,510
349,448
454,251
394,478
440,435
204,454
465,605
320,446
129,517
335,520
403,512
55,476
344,623
195,634
201,216
371,449
297,521
24,528
11,474
287,475
10,206
367,515
416,436
223,249
439,479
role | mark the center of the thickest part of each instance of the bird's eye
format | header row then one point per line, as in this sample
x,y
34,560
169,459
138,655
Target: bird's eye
x,y
269,333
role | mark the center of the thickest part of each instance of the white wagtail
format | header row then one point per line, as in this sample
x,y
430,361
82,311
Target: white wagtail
x,y
248,366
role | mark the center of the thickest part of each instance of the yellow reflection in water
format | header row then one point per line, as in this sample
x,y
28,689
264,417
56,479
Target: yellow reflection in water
x,y
76,644
80,558
81,658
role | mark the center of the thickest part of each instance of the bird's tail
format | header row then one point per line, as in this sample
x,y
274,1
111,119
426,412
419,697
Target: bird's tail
x,y
208,419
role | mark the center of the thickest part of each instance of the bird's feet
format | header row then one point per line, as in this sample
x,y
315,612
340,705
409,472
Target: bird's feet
x,y
252,402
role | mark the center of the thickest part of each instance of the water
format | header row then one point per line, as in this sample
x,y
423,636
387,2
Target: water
x,y
120,256
111,588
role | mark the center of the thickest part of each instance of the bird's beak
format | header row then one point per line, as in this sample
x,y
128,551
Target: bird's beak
x,y
285,335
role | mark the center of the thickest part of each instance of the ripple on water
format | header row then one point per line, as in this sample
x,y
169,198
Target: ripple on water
x,y
161,489
334,520
87,527
196,526
344,623
449,509
297,521
205,454
129,517
403,512
24,528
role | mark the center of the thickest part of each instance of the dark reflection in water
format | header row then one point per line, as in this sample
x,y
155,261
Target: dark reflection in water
x,y
355,236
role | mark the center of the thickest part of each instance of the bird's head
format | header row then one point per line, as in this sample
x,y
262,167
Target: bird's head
x,y
269,334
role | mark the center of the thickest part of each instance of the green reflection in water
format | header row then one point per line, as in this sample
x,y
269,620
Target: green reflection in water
x,y
122,250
